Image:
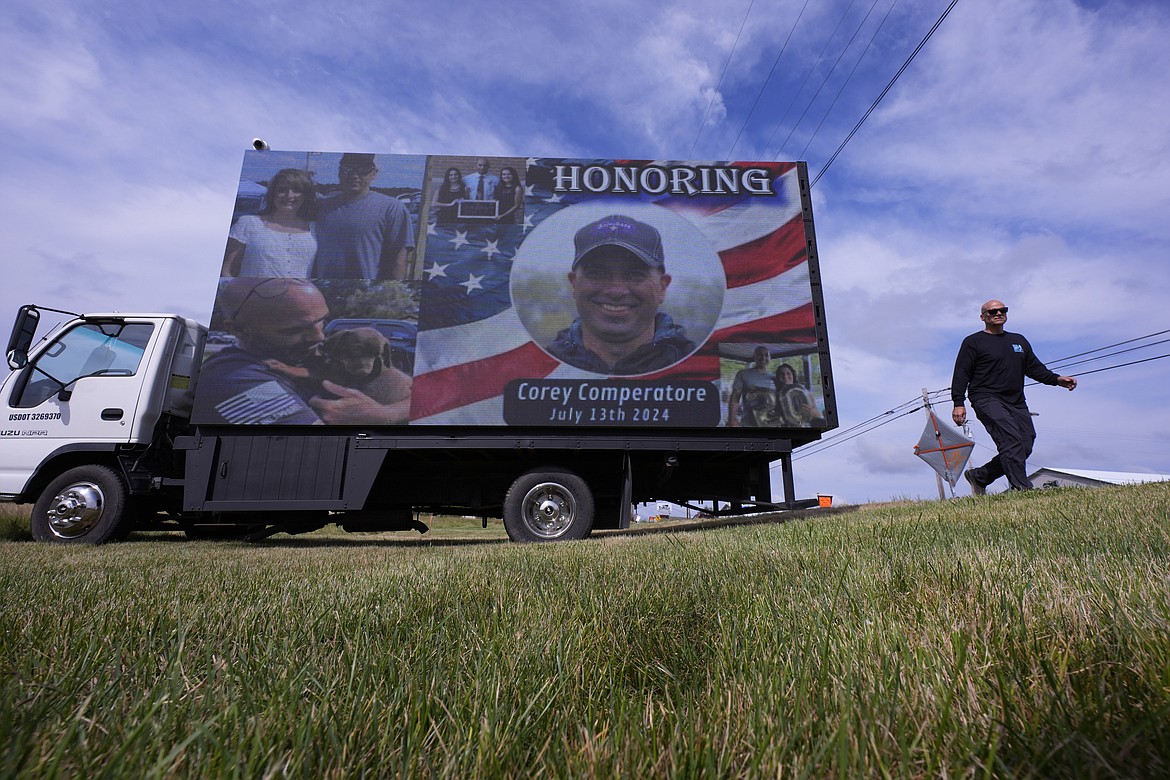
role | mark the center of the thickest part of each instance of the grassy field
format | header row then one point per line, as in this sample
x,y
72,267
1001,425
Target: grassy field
x,y
1007,636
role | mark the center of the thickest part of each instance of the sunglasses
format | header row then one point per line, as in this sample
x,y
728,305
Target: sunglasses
x,y
996,312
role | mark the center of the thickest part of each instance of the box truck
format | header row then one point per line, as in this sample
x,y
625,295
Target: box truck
x,y
542,340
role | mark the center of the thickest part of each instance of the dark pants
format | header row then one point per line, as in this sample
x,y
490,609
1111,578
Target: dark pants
x,y
1012,431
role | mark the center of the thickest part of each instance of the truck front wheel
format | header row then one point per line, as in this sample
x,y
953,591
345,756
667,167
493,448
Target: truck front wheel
x,y
85,505
546,505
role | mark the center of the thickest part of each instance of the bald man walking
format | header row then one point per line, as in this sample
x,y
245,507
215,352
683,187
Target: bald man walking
x,y
990,368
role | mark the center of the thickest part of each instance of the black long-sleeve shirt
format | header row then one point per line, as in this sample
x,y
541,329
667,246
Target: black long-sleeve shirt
x,y
996,364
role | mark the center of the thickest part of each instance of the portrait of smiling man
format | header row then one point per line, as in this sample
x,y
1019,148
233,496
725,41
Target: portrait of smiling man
x,y
619,281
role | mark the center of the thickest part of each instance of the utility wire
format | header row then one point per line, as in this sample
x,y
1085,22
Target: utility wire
x,y
825,80
837,441
889,86
1123,365
722,75
807,73
1111,346
848,434
1060,362
1113,354
863,423
845,432
848,78
769,78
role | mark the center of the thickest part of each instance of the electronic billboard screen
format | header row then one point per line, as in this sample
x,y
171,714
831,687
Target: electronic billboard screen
x,y
370,289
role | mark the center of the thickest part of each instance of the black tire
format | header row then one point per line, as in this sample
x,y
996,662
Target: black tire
x,y
548,505
85,505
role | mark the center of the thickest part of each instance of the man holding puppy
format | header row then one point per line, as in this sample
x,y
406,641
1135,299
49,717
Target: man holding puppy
x,y
279,325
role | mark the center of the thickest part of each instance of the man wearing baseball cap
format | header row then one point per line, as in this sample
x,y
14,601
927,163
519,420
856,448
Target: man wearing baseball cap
x,y
619,280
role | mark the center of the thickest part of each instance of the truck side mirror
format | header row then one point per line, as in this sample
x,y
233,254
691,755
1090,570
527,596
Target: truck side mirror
x,y
21,339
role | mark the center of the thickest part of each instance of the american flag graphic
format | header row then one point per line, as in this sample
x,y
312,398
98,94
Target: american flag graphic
x,y
472,342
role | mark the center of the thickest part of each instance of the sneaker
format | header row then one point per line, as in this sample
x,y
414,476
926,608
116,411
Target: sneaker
x,y
977,487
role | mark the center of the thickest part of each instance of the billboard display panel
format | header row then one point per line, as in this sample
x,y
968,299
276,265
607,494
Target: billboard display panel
x,y
363,289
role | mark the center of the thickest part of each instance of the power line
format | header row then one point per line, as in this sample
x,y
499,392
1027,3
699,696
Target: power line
x,y
1111,346
825,80
889,86
845,431
837,440
722,75
1123,365
847,434
848,78
1113,354
863,423
900,407
844,434
769,78
1059,362
807,73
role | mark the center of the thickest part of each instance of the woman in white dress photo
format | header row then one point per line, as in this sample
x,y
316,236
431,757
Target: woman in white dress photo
x,y
281,240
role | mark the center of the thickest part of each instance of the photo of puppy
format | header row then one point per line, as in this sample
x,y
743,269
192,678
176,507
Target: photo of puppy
x,y
360,358
351,378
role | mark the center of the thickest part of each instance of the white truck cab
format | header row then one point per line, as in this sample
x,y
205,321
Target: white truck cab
x,y
99,383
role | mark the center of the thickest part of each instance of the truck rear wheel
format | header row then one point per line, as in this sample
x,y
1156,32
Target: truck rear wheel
x,y
546,505
85,505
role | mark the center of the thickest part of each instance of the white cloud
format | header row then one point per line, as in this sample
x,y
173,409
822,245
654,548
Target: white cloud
x,y
1042,110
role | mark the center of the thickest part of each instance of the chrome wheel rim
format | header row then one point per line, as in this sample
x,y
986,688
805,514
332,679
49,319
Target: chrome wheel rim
x,y
76,510
548,510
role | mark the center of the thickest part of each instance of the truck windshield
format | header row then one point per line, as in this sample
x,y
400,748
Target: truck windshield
x,y
92,349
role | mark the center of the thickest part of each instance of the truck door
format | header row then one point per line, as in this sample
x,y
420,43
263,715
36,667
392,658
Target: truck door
x,y
83,388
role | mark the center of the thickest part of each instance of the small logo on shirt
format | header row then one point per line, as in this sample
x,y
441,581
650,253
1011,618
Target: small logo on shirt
x,y
1017,347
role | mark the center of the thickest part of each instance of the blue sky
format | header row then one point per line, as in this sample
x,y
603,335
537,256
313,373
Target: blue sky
x,y
1022,156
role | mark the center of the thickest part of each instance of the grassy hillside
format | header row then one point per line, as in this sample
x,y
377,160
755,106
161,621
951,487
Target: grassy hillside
x,y
1008,636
